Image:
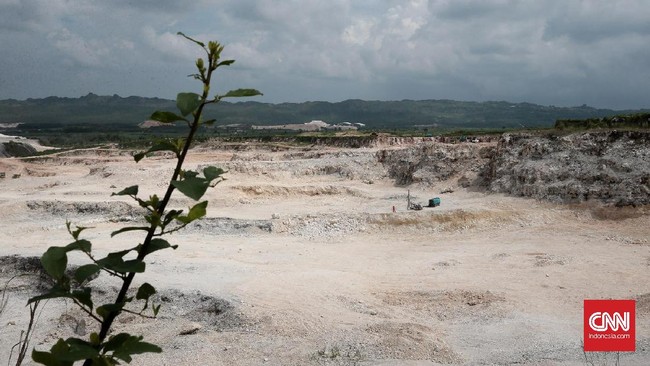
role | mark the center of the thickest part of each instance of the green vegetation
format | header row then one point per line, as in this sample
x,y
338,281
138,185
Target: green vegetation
x,y
108,114
18,149
95,120
102,347
637,120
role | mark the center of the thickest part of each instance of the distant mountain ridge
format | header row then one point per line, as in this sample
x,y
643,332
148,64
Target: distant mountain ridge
x,y
93,109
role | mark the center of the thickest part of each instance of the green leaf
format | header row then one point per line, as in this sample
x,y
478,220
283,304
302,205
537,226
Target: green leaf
x,y
83,245
106,309
210,122
78,350
158,244
114,262
84,272
156,309
226,63
196,212
124,345
55,356
83,296
134,265
49,359
153,219
53,294
193,188
54,261
171,215
161,145
59,347
154,201
104,360
114,257
75,233
78,353
242,93
145,291
94,338
116,342
76,341
134,345
187,102
45,358
211,173
128,191
189,174
166,117
129,228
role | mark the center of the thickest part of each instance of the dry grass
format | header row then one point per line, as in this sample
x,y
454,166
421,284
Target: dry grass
x,y
600,211
285,191
447,221
619,213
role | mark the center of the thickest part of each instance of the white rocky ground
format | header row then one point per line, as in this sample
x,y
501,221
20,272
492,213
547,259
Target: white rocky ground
x,y
302,262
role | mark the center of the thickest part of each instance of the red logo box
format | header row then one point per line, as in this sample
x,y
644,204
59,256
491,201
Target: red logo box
x,y
609,326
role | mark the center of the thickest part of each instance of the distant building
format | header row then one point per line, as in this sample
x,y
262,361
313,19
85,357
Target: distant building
x,y
313,126
309,126
319,123
151,123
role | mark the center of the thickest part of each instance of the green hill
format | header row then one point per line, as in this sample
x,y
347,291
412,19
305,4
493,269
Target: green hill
x,y
92,111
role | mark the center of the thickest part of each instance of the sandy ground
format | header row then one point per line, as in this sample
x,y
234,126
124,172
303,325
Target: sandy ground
x,y
297,264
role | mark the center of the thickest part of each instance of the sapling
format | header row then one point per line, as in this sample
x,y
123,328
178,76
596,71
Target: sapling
x,y
103,347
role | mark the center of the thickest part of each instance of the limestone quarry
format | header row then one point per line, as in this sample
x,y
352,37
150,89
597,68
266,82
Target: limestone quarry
x,y
309,256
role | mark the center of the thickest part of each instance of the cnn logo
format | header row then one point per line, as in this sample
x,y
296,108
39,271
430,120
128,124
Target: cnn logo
x,y
602,322
609,325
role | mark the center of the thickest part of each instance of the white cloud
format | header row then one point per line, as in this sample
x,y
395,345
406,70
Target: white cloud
x,y
171,44
86,52
359,32
249,53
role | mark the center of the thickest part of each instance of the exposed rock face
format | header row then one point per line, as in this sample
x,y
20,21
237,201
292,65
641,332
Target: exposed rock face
x,y
276,143
436,162
609,166
612,167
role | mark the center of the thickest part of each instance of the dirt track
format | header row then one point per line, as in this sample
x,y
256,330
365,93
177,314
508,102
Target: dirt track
x,y
301,261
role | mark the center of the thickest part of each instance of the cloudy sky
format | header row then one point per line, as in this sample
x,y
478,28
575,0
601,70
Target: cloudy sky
x,y
553,52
